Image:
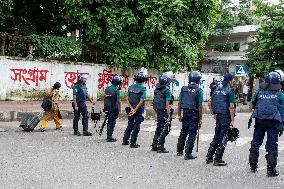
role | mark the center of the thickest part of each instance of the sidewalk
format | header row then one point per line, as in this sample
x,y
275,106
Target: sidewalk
x,y
17,110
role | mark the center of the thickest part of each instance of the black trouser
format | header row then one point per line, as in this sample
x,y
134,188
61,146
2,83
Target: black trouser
x,y
83,110
162,130
112,115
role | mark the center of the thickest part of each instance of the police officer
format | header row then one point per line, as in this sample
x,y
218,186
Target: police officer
x,y
136,96
190,114
112,105
268,103
161,104
80,95
222,105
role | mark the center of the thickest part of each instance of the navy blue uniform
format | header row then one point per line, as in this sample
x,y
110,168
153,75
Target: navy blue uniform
x,y
81,92
268,114
162,96
221,99
112,95
135,93
191,97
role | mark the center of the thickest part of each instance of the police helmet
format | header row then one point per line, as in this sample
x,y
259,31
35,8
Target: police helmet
x,y
141,77
228,77
164,79
116,80
194,77
273,78
233,134
82,76
281,73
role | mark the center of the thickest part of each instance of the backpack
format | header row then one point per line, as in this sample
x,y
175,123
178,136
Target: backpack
x,y
47,103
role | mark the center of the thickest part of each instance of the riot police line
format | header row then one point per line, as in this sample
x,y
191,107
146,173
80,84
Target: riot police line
x,y
267,104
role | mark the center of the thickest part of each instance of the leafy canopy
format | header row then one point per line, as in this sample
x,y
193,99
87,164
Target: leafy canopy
x,y
162,34
267,52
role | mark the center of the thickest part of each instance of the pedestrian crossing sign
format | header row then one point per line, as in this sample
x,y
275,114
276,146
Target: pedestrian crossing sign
x,y
241,69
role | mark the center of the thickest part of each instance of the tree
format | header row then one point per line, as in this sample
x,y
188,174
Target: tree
x,y
6,7
267,52
162,34
32,17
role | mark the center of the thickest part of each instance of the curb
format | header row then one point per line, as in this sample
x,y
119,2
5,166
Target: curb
x,y
66,114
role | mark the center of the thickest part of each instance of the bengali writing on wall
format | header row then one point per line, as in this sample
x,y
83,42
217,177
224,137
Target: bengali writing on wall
x,y
36,76
28,76
106,75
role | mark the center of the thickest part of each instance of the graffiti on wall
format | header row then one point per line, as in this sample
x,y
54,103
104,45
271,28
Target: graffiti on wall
x,y
70,78
28,76
105,78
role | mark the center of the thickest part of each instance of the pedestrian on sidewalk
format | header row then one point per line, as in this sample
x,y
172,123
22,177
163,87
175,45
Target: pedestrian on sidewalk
x,y
213,86
112,105
268,103
190,114
222,104
80,96
136,97
245,92
161,104
54,112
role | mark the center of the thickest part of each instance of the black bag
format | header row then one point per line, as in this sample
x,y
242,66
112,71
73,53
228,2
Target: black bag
x,y
30,122
47,103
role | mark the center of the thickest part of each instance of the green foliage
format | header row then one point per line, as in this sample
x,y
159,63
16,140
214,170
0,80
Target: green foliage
x,y
231,16
224,48
32,17
162,34
55,47
6,7
267,52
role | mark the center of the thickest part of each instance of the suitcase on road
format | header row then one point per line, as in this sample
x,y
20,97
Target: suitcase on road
x,y
30,122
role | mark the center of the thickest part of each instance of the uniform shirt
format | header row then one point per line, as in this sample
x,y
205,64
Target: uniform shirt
x,y
231,94
168,95
118,92
199,96
83,87
140,85
280,97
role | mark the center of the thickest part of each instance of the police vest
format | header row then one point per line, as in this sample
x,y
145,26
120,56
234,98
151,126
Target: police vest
x,y
82,93
159,101
268,105
135,94
220,101
110,101
189,98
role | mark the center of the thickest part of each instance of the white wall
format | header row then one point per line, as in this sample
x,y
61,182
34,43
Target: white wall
x,y
20,78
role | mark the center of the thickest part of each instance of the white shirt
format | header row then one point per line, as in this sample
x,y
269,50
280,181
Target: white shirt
x,y
245,89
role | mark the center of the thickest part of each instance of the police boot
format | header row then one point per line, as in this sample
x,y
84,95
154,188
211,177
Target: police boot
x,y
87,133
109,135
180,148
218,157
110,139
125,140
211,152
154,144
253,160
133,141
162,149
271,159
188,150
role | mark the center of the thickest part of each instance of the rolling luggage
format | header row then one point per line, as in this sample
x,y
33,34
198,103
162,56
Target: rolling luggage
x,y
31,121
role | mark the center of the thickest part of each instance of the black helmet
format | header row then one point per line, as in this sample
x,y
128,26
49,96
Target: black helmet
x,y
233,134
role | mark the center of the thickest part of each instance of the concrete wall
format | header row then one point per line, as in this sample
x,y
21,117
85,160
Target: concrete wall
x,y
23,79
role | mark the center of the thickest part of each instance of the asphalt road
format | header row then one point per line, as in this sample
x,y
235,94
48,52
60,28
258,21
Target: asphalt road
x,y
58,159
